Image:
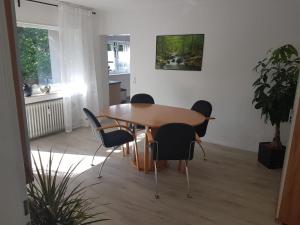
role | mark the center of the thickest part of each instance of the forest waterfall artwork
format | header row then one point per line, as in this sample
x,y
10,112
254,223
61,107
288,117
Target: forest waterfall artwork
x,y
179,52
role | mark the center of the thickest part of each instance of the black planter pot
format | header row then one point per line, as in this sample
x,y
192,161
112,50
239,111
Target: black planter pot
x,y
271,158
27,90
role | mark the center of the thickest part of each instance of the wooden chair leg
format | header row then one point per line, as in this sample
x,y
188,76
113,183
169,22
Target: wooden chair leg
x,y
180,167
124,151
127,149
136,155
127,145
146,155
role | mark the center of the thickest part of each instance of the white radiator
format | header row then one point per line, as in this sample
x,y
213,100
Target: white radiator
x,y
45,118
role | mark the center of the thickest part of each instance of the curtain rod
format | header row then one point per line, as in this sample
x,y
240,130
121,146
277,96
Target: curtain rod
x,y
44,3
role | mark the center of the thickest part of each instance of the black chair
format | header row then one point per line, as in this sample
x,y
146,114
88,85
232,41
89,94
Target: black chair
x,y
205,108
173,141
112,139
141,98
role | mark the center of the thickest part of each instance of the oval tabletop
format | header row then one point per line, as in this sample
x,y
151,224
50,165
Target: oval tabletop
x,y
152,115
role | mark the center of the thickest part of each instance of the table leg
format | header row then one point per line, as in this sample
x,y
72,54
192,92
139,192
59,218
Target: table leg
x,y
146,162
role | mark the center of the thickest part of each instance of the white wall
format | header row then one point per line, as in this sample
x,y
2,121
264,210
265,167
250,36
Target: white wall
x,y
35,13
237,34
12,175
101,70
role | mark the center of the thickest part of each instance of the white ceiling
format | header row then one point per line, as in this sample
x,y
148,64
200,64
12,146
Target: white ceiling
x,y
131,4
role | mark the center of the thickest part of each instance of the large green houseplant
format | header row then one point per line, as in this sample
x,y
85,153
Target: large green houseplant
x,y
56,200
275,88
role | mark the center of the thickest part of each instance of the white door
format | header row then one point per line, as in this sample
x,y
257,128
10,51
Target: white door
x,y
12,173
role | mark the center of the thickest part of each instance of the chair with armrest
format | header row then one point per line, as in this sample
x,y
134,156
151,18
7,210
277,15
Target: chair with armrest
x,y
141,98
173,141
112,139
205,108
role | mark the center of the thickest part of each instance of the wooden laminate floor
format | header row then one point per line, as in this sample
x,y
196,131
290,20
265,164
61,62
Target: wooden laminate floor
x,y
231,188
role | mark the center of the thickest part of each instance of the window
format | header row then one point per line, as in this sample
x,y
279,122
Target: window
x,y
118,57
39,49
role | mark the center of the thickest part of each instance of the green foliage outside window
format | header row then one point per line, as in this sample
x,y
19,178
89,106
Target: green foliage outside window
x,y
34,55
121,48
109,47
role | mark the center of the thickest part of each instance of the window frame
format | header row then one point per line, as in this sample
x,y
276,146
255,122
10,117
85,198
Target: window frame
x,y
44,27
37,26
119,42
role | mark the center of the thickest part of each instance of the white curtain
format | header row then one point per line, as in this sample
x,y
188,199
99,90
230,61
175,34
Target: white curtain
x,y
77,64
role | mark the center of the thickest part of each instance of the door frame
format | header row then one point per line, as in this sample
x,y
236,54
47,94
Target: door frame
x,y
282,204
18,84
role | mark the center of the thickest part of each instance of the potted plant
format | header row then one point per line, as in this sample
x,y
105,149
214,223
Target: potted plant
x,y
27,90
274,95
55,200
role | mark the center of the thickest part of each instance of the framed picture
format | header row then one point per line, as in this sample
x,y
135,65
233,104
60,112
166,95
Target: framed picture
x,y
179,52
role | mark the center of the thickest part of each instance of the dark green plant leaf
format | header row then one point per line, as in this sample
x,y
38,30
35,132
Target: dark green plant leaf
x,y
276,85
52,200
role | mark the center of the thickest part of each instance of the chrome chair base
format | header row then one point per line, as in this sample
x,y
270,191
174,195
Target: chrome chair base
x,y
188,195
114,148
204,154
92,164
101,167
188,180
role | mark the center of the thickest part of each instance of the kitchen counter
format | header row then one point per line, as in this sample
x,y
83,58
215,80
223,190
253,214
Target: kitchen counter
x,y
114,82
114,92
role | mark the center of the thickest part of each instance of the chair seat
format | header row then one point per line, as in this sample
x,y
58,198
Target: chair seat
x,y
117,137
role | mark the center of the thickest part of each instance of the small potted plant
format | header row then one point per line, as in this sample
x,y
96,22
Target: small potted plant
x,y
27,90
53,200
274,95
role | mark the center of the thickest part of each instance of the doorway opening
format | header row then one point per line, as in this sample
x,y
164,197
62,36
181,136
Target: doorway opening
x,y
118,58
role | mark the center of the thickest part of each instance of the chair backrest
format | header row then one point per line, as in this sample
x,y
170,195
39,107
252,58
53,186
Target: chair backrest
x,y
142,98
205,108
94,122
174,141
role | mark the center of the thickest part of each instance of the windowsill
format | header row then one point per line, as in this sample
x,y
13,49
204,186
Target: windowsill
x,y
118,74
42,97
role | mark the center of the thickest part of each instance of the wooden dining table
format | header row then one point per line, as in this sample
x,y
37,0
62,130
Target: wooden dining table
x,y
152,116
